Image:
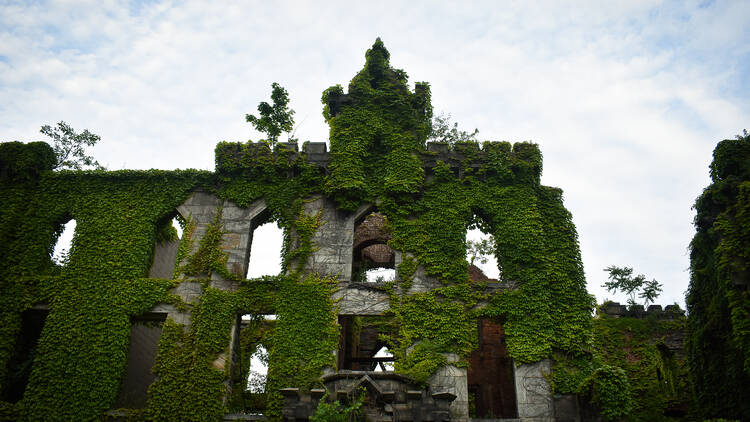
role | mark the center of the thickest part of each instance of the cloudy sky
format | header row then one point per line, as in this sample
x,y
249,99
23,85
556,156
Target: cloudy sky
x,y
626,99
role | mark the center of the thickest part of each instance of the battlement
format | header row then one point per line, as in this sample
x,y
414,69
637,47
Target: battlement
x,y
500,159
615,310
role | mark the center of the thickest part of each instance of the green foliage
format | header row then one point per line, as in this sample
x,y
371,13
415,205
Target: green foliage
x,y
209,257
658,378
378,133
338,412
718,298
479,249
375,130
609,389
91,300
443,131
21,162
70,146
274,119
621,279
305,333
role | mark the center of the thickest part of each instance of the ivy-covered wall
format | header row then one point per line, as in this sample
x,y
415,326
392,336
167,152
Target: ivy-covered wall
x,y
430,196
81,354
649,351
718,298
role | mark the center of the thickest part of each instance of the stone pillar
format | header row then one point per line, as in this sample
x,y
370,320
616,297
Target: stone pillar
x,y
452,379
533,392
334,239
237,224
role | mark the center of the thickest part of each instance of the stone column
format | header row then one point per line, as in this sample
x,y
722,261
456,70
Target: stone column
x,y
334,239
533,392
452,379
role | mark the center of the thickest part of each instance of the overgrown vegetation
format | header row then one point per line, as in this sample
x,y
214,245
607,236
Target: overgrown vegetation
x,y
70,146
274,119
622,279
653,384
718,298
378,155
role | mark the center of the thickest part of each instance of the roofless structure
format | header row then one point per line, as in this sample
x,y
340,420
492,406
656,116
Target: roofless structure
x,y
137,322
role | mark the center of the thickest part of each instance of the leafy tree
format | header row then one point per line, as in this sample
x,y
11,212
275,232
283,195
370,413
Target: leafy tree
x,y
621,279
274,119
443,130
480,249
69,147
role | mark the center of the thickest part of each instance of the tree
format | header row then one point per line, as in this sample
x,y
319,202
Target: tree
x,y
274,119
444,131
622,279
69,147
480,249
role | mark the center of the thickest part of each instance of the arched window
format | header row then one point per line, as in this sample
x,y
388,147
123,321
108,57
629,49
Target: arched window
x,y
372,260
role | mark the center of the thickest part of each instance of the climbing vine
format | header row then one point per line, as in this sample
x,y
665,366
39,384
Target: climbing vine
x,y
718,298
378,156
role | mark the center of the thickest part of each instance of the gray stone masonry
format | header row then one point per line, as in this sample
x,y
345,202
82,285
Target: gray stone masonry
x,y
333,242
615,310
533,392
452,379
164,256
360,299
238,224
333,239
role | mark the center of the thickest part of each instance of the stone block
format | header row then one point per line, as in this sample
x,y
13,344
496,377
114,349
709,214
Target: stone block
x,y
439,147
534,410
566,408
314,147
189,291
361,301
237,226
287,146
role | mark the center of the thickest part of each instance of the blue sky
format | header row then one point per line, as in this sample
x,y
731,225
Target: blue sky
x,y
626,99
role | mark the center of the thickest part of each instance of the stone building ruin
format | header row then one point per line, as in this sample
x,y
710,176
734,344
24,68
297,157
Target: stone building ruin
x,y
141,324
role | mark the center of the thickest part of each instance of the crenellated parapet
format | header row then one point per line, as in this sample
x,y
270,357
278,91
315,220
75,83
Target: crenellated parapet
x,y
616,310
498,161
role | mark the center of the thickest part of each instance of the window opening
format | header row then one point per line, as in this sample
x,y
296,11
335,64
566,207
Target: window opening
x,y
372,259
385,360
61,251
251,362
362,346
145,332
178,223
256,376
265,250
480,252
168,234
20,363
380,275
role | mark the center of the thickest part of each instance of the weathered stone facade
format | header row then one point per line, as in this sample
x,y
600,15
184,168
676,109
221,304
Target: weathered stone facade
x,y
382,199
334,254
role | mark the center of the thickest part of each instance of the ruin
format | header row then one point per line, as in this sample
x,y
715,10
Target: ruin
x,y
381,197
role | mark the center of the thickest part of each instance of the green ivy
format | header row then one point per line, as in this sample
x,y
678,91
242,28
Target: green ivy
x,y
378,156
657,377
609,389
718,297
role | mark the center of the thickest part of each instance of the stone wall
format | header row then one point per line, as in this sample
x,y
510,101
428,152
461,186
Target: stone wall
x,y
533,392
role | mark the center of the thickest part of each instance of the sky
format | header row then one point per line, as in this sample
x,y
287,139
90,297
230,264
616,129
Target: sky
x,y
626,99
